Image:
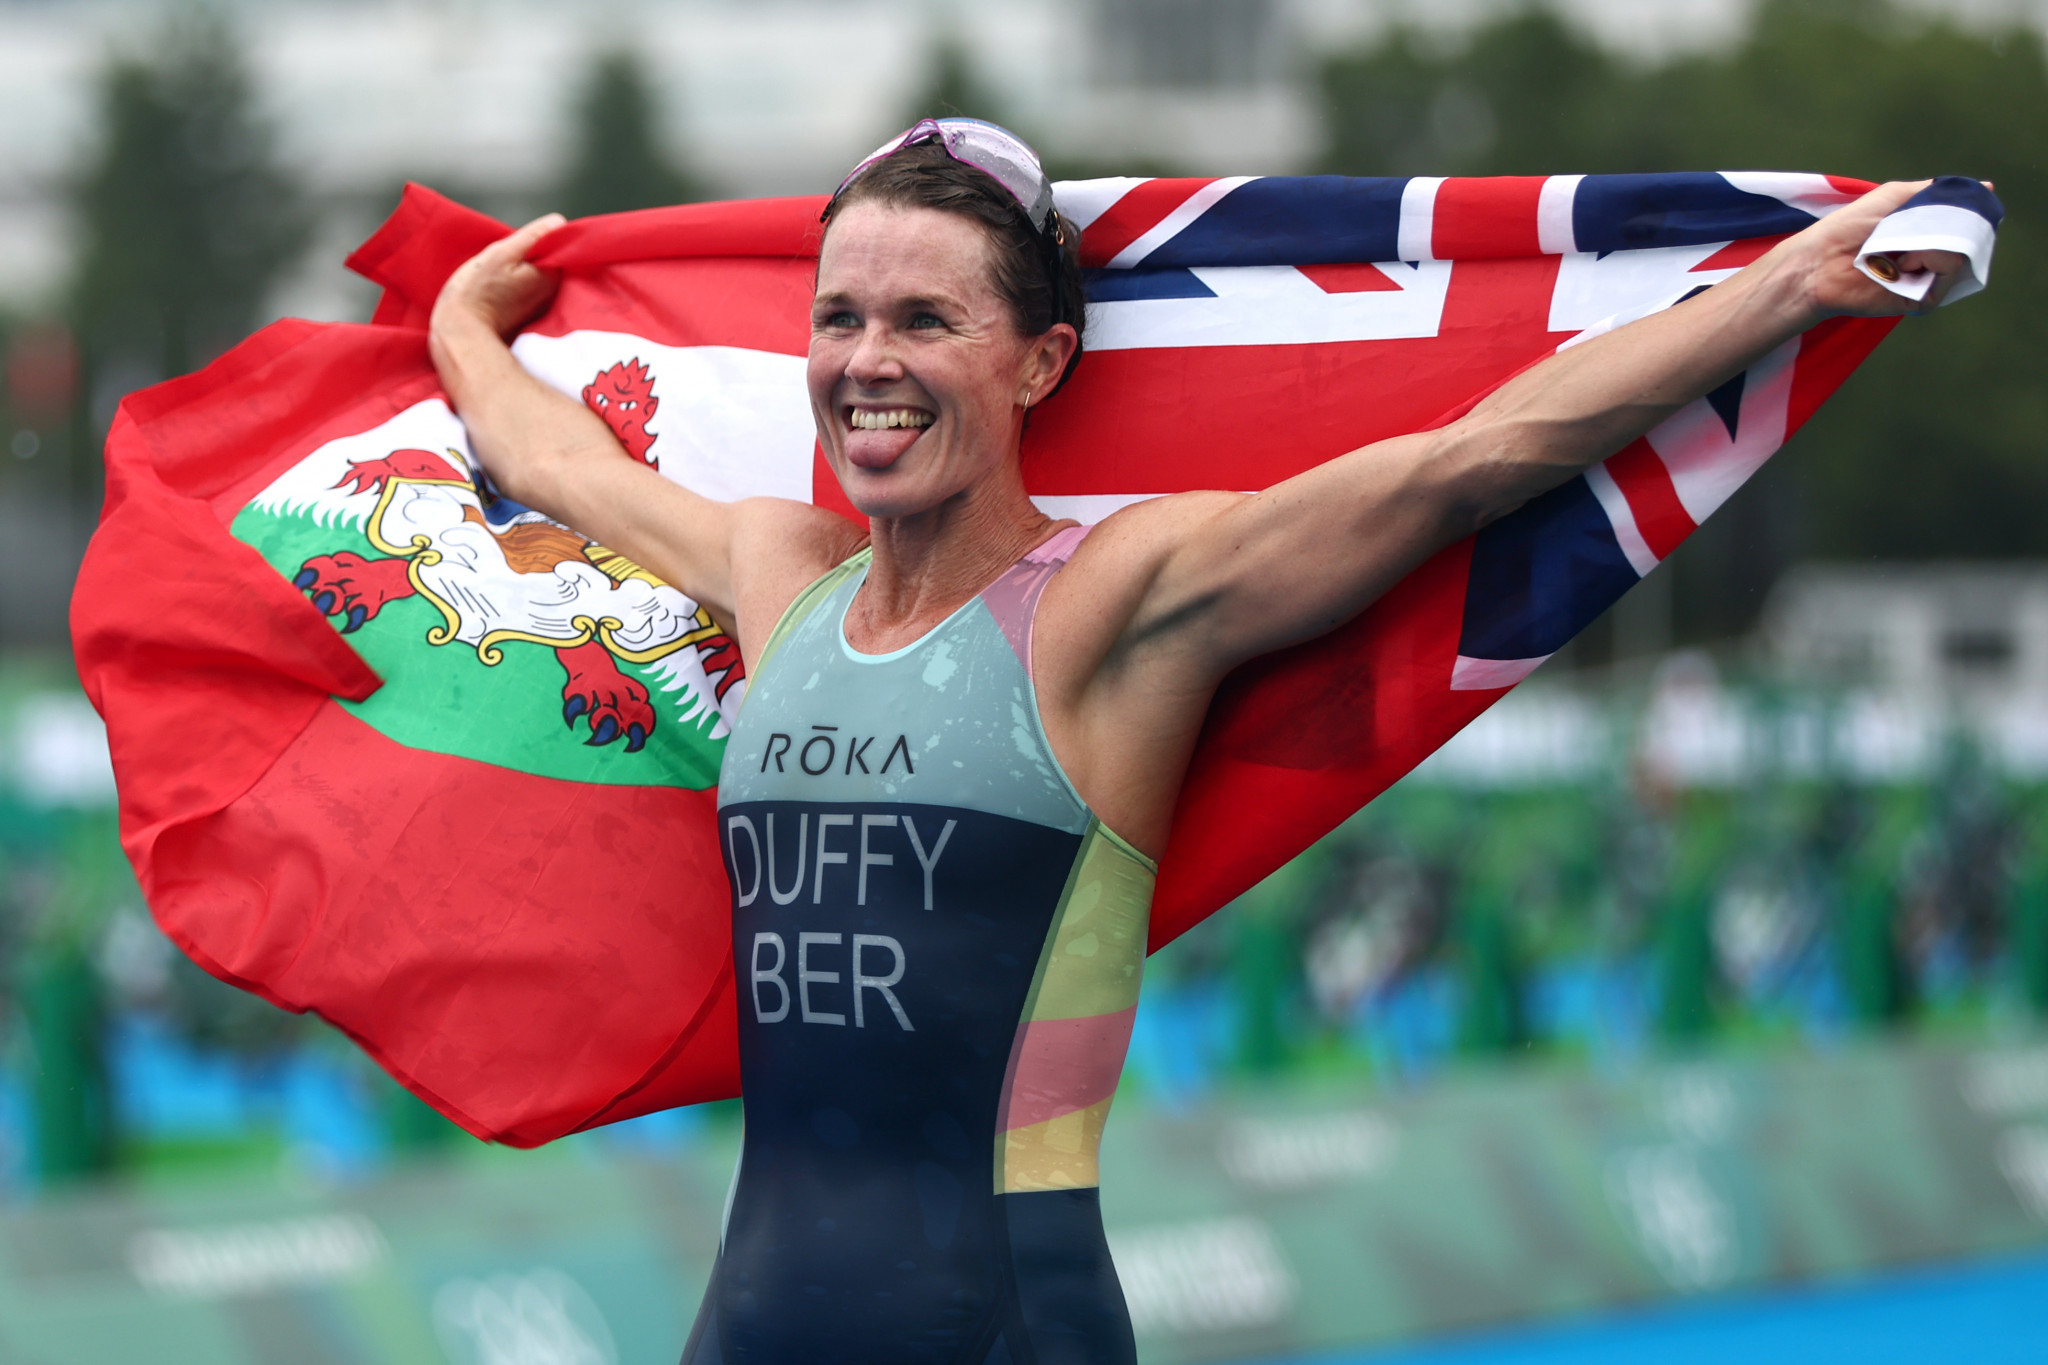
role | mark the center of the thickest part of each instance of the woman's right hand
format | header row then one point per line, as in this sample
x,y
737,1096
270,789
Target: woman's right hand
x,y
498,286
488,298
548,451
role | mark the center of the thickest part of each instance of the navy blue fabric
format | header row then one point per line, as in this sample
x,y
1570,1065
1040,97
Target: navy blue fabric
x,y
1123,286
1069,1306
1540,575
1961,192
865,1226
1726,402
1330,219
1293,220
1693,208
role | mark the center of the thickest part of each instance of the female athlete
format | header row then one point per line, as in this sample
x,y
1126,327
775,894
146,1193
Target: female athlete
x,y
967,722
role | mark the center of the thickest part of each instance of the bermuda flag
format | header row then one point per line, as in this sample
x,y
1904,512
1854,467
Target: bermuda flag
x,y
415,757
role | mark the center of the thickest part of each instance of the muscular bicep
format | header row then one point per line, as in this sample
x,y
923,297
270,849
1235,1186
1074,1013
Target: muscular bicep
x,y
1169,595
1263,572
1269,570
1242,575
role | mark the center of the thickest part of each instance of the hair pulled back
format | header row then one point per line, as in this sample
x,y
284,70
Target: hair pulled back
x,y
1040,284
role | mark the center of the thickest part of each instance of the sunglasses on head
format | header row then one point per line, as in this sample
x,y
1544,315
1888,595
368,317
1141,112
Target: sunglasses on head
x,y
996,151
1006,158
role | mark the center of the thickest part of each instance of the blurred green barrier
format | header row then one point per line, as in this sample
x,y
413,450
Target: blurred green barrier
x,y
1282,1221
544,1259
1292,1223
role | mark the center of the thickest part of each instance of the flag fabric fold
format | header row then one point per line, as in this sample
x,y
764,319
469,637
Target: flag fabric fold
x,y
1955,214
397,750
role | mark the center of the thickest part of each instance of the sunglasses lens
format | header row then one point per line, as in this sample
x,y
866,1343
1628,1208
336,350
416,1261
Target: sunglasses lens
x,y
983,146
923,129
1003,155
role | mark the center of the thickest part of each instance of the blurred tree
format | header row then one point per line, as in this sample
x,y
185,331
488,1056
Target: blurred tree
x,y
951,88
186,217
1528,93
616,161
1933,448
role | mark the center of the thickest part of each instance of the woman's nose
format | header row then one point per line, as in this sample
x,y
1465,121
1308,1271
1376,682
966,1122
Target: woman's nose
x,y
874,358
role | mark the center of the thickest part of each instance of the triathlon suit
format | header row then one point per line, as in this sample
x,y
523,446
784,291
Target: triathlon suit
x,y
938,949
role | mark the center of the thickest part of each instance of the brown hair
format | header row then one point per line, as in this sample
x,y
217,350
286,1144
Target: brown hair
x,y
1039,288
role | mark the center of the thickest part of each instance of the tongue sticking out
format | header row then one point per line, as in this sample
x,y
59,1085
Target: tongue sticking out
x,y
878,449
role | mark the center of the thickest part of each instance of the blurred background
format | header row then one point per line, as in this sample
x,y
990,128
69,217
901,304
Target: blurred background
x,y
1694,1001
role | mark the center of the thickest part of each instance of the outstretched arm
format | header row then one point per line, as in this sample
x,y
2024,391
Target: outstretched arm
x,y
1234,576
550,452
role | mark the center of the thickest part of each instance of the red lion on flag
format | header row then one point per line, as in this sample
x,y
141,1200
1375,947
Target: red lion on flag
x,y
624,396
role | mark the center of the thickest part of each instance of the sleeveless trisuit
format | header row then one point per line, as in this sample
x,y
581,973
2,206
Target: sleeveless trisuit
x,y
938,949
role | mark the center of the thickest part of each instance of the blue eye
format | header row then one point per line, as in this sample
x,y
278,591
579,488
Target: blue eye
x,y
926,320
841,318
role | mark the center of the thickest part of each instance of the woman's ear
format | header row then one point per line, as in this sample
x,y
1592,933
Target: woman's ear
x,y
1048,360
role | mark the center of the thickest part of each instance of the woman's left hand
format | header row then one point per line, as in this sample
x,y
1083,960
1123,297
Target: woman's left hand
x,y
1826,255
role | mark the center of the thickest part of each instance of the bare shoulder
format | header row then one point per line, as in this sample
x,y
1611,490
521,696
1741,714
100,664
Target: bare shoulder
x,y
1092,603
1122,716
780,547
1136,539
783,526
1163,521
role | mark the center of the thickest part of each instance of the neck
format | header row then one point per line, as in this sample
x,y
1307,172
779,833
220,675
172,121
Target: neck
x,y
926,564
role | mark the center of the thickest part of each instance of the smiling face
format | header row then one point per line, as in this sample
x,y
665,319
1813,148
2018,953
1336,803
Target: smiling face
x,y
916,366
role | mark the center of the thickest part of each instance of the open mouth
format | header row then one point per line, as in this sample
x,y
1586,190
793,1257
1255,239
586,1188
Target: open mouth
x,y
877,438
884,419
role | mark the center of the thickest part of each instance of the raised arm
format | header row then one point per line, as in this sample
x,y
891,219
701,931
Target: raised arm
x,y
553,454
1237,576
